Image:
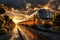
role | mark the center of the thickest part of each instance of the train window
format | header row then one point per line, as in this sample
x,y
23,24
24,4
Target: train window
x,y
45,14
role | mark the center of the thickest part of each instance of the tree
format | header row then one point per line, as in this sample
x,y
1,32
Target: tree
x,y
2,11
3,8
6,24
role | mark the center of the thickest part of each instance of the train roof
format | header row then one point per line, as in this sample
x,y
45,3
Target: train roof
x,y
43,10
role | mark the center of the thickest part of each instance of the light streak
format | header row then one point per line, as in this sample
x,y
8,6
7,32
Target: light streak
x,y
15,34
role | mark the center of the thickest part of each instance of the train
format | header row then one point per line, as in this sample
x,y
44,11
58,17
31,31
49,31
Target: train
x,y
42,19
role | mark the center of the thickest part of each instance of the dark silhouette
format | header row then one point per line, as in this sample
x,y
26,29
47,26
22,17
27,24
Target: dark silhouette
x,y
57,20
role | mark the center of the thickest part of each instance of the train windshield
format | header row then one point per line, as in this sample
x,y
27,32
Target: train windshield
x,y
44,14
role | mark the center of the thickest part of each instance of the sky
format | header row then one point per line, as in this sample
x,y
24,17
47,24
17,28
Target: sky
x,y
22,3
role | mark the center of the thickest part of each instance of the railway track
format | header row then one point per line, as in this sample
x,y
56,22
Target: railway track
x,y
44,34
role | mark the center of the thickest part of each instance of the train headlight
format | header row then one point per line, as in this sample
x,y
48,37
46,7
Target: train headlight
x,y
43,22
50,22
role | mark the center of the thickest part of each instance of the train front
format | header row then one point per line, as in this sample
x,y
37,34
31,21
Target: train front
x,y
45,18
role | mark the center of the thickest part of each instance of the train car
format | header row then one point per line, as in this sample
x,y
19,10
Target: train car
x,y
45,18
